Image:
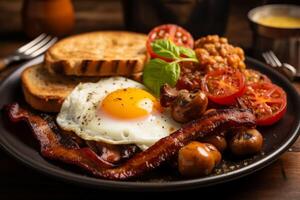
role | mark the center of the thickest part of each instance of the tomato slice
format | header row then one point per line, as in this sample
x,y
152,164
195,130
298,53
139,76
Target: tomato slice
x,y
266,100
223,86
173,32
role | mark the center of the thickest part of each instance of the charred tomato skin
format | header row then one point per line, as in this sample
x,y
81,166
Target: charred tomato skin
x,y
224,86
267,100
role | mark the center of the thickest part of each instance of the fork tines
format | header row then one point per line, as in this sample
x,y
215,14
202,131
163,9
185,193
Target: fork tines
x,y
37,46
271,59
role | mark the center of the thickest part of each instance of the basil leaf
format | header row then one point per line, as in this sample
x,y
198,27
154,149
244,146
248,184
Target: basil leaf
x,y
187,52
158,72
165,48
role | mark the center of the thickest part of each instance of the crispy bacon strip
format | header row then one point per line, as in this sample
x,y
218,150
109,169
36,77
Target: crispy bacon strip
x,y
50,142
152,158
113,153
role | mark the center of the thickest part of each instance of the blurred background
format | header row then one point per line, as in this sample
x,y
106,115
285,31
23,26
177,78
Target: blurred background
x,y
23,19
93,15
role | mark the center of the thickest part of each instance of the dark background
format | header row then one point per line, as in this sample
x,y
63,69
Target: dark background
x,y
278,181
107,14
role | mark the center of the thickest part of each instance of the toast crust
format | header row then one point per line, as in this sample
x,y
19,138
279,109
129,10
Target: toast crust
x,y
46,92
105,53
42,104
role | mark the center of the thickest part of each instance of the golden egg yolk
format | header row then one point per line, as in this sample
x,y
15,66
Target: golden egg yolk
x,y
129,103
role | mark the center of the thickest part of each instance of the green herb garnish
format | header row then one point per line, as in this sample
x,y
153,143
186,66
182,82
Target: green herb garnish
x,y
157,72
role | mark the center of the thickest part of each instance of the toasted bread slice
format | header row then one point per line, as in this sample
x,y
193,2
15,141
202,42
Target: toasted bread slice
x,y
46,92
105,53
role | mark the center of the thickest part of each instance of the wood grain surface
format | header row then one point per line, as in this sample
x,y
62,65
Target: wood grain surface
x,y
280,180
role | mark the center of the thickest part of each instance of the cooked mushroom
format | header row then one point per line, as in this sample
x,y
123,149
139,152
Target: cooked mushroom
x,y
198,159
246,142
167,95
188,105
218,140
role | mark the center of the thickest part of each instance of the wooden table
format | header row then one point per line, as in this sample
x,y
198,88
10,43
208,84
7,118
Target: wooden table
x,y
280,180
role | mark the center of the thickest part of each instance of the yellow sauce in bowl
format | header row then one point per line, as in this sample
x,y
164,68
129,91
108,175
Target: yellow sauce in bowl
x,y
280,21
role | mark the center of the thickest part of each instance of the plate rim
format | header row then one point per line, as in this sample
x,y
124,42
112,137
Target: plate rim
x,y
79,179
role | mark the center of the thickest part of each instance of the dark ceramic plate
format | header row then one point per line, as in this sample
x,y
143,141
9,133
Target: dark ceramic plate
x,y
278,138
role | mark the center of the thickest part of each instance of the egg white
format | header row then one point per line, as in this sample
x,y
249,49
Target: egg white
x,y
80,113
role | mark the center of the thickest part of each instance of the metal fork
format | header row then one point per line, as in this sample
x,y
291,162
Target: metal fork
x,y
30,50
286,69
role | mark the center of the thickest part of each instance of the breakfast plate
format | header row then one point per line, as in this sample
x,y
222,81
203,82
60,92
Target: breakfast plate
x,y
277,139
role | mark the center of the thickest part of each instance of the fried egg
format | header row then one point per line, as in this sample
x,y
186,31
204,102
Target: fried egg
x,y
115,110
